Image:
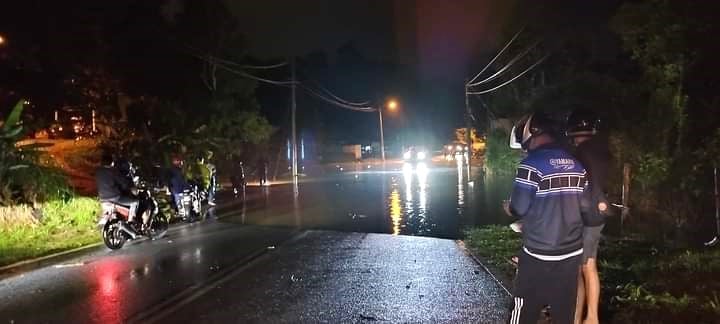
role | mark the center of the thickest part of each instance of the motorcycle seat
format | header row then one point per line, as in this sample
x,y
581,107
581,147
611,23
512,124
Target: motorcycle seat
x,y
109,206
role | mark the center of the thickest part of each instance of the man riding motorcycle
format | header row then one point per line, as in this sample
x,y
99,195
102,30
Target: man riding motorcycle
x,y
113,187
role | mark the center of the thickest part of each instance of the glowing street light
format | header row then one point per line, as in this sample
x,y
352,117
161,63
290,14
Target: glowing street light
x,y
2,40
391,105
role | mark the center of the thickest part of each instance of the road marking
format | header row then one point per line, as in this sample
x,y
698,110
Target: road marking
x,y
69,265
171,305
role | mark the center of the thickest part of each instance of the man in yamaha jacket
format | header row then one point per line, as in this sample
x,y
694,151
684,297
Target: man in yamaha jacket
x,y
547,198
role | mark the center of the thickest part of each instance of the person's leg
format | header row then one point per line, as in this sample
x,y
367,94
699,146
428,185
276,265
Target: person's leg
x,y
590,274
211,191
563,290
592,287
131,204
176,201
580,303
526,302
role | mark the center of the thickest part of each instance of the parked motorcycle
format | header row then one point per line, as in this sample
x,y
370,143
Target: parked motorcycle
x,y
116,230
190,204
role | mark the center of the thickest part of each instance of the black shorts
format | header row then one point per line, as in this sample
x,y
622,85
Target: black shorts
x,y
591,240
541,283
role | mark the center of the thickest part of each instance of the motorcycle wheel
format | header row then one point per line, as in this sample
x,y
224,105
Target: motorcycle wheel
x,y
113,236
158,227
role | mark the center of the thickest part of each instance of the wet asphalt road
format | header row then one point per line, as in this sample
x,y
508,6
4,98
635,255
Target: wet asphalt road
x,y
259,263
110,286
332,277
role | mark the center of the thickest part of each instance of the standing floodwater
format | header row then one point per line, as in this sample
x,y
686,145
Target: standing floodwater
x,y
405,199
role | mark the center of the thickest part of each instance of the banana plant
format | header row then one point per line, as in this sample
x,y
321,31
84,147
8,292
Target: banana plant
x,y
10,157
12,126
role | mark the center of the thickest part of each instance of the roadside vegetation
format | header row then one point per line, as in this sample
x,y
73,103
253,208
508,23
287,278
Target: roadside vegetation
x,y
55,226
39,213
642,281
499,157
660,117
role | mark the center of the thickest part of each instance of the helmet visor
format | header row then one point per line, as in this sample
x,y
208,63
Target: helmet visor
x,y
515,139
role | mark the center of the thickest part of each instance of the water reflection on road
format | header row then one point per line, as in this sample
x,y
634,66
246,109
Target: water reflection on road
x,y
433,199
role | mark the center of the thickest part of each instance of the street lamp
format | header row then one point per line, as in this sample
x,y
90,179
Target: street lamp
x,y
2,40
392,105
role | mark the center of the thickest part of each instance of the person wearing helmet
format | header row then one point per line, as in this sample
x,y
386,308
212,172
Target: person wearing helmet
x,y
583,127
546,196
113,186
205,173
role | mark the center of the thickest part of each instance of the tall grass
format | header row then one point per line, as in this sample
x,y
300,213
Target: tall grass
x,y
62,225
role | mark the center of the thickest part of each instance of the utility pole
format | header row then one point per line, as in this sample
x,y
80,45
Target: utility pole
x,y
294,130
382,136
468,128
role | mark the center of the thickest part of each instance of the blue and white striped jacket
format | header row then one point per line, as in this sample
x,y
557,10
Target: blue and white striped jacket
x,y
547,197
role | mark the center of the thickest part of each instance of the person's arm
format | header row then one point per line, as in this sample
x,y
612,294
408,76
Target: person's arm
x,y
524,189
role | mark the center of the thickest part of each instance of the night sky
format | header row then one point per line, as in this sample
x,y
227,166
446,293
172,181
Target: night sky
x,y
420,51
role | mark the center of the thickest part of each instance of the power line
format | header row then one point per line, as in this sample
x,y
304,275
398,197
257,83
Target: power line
x,y
504,68
496,56
257,78
264,67
229,62
337,103
242,73
365,103
328,92
511,80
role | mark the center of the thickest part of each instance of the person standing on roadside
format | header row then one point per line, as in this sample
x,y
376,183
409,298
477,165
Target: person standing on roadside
x,y
176,181
582,129
212,178
262,170
546,196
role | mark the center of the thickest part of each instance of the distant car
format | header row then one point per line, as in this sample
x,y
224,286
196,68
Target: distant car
x,y
414,155
454,151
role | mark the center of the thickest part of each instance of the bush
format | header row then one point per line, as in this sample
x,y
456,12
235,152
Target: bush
x,y
499,157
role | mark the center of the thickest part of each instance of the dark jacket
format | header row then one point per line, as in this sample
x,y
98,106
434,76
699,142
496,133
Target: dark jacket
x,y
595,157
546,195
111,184
176,180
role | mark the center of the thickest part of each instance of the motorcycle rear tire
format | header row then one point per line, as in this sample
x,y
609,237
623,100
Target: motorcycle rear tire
x,y
158,227
113,236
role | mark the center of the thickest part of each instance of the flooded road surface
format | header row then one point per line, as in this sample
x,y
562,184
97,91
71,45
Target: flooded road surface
x,y
434,199
226,269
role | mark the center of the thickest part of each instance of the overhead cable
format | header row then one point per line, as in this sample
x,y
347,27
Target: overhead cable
x,y
329,93
365,103
496,56
233,63
504,68
511,80
242,73
335,102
